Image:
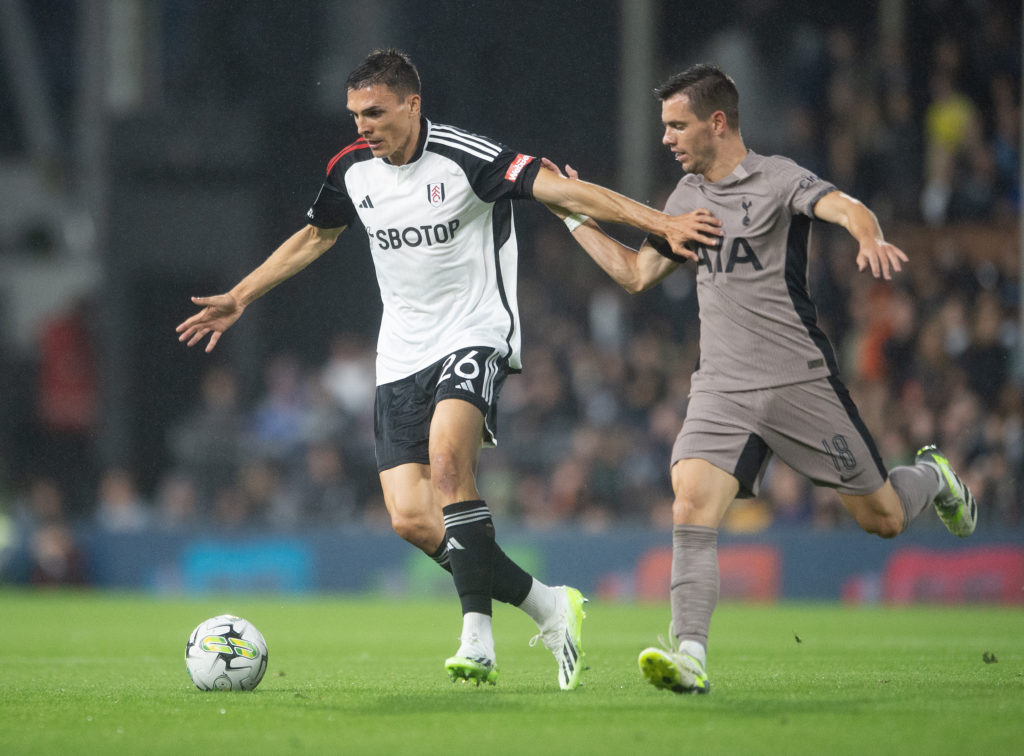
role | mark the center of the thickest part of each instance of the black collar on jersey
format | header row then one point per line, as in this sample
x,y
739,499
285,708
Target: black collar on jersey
x,y
424,127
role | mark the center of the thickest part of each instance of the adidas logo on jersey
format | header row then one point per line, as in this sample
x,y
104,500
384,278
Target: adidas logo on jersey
x,y
367,203
465,386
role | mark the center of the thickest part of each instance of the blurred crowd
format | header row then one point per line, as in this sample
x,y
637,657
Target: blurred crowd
x,y
930,136
586,430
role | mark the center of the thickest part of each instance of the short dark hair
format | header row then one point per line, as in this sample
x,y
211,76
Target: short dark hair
x,y
708,88
389,67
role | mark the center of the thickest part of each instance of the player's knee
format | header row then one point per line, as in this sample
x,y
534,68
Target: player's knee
x,y
447,474
688,511
402,525
891,527
413,525
884,525
412,529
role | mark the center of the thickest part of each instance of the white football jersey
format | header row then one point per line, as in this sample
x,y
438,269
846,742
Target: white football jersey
x,y
443,241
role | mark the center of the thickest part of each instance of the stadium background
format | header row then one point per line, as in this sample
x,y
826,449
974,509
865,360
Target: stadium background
x,y
154,150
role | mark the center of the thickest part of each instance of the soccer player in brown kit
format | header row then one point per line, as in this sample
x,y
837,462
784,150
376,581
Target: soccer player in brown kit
x,y
767,380
435,202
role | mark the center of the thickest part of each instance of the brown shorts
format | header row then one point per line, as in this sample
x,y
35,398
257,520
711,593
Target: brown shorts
x,y
813,427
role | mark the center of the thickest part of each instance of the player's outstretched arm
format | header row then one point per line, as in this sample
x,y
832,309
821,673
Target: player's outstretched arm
x,y
220,312
874,251
552,188
634,270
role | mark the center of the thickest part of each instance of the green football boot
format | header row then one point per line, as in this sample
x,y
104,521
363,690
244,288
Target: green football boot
x,y
673,670
955,504
563,636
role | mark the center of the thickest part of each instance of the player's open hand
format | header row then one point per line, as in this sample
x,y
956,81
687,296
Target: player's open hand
x,y
219,313
698,226
570,173
882,257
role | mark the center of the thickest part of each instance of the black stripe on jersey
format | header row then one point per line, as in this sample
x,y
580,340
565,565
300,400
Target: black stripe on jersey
x,y
502,228
851,411
796,284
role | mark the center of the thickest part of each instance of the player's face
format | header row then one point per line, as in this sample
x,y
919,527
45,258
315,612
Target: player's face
x,y
690,139
386,121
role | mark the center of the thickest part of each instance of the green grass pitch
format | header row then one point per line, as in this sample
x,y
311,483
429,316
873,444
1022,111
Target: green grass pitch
x,y
92,673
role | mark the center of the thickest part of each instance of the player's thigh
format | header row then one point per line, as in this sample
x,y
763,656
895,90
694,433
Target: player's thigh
x,y
722,429
466,391
456,434
815,428
455,443
703,492
474,375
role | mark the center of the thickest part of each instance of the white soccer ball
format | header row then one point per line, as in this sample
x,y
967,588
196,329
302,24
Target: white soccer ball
x,y
226,653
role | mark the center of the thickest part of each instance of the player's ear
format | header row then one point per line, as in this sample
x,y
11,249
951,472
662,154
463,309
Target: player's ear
x,y
413,102
719,122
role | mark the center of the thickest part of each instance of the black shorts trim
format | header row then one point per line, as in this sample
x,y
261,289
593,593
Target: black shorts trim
x,y
750,465
846,400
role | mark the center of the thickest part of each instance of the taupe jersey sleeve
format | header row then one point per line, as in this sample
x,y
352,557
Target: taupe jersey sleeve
x,y
758,325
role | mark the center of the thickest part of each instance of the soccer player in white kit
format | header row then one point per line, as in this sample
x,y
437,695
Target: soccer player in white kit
x,y
435,202
767,381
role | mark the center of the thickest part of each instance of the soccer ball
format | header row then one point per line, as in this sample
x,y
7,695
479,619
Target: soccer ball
x,y
226,653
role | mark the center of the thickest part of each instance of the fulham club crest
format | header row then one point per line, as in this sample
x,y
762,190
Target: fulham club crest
x,y
435,193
